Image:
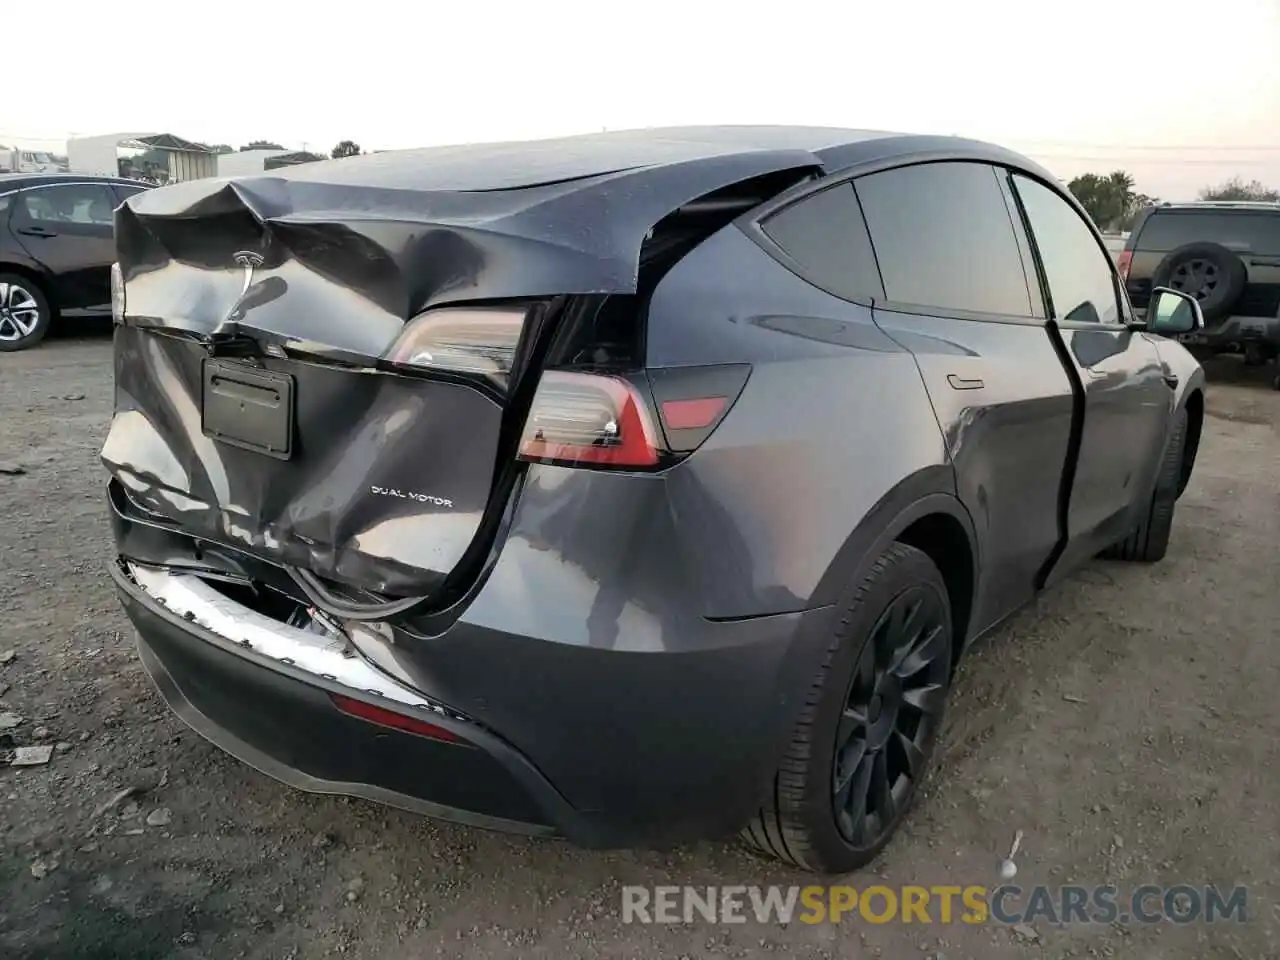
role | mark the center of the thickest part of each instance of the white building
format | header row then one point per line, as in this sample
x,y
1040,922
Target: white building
x,y
159,157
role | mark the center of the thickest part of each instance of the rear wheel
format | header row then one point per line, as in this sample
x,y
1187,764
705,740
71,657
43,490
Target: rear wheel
x,y
24,313
865,737
1149,541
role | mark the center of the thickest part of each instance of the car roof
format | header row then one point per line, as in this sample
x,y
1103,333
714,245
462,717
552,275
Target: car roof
x,y
14,181
514,165
1218,206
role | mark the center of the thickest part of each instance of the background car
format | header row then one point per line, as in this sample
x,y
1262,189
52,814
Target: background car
x,y
1224,253
56,250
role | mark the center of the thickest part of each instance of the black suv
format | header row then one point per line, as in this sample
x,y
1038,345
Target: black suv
x,y
1227,255
56,250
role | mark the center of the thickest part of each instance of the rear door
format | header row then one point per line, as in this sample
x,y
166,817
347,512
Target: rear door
x,y
1127,400
957,296
68,228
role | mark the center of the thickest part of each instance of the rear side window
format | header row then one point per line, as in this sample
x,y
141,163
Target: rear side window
x,y
826,238
1167,230
1078,270
84,204
944,239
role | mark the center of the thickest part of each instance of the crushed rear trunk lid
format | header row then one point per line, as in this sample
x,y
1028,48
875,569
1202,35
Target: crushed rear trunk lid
x,y
271,391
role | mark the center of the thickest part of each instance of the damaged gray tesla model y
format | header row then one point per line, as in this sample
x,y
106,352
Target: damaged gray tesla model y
x,y
634,487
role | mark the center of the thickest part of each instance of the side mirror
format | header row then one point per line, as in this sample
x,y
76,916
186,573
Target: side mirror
x,y
1172,313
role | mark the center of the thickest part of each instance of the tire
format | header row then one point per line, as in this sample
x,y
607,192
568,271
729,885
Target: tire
x,y
25,313
1149,542
901,614
1209,272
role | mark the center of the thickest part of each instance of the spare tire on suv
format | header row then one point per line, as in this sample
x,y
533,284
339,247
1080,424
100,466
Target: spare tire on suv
x,y
1207,271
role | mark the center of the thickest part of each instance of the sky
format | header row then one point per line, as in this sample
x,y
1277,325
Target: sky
x,y
1089,85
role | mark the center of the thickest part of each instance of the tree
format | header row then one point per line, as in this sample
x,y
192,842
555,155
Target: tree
x,y
1140,202
1109,200
1237,189
261,145
346,148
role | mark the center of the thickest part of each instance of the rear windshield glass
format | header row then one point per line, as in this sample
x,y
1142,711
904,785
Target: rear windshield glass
x,y
1168,230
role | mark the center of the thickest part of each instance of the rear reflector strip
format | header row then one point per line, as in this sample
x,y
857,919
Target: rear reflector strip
x,y
692,414
389,718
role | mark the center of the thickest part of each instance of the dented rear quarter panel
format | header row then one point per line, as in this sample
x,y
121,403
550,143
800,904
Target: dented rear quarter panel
x,y
833,420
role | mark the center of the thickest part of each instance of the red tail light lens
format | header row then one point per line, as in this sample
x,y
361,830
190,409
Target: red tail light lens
x,y
1122,263
589,419
472,340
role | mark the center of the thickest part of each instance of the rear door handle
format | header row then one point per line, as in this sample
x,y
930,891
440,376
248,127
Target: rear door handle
x,y
1171,380
960,383
37,232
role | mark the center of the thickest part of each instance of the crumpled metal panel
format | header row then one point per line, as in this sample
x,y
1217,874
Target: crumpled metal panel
x,y
391,474
357,258
386,489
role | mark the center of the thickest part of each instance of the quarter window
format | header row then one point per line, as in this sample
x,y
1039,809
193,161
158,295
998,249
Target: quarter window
x,y
1081,282
944,239
825,235
124,192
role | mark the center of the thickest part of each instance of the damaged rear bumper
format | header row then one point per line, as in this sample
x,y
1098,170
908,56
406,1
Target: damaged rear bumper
x,y
262,691
586,713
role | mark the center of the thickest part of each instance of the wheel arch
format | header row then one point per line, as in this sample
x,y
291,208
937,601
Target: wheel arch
x,y
1194,405
923,512
34,274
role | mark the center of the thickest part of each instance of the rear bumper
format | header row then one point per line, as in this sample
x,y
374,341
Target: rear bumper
x,y
1233,334
278,717
272,709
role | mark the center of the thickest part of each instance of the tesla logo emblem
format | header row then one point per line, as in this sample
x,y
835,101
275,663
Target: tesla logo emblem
x,y
248,261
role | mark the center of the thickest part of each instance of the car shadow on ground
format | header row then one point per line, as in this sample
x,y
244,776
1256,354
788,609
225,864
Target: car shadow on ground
x,y
80,328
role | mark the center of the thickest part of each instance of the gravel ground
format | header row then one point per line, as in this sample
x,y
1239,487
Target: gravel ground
x,y
1126,724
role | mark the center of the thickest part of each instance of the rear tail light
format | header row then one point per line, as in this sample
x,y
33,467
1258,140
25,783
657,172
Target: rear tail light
x,y
608,421
470,340
383,717
584,418
1122,264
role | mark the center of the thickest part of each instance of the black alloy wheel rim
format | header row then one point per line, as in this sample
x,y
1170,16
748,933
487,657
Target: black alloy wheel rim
x,y
1199,278
891,714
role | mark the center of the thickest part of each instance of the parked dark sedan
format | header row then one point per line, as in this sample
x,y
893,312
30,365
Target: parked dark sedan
x,y
632,487
56,250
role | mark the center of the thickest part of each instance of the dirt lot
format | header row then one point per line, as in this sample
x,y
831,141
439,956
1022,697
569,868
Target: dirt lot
x,y
1127,724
